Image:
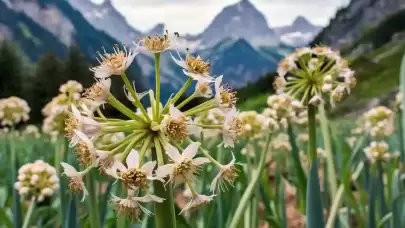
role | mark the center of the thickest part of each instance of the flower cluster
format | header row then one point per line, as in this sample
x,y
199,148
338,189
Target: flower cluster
x,y
378,151
379,121
254,124
57,110
310,73
281,143
31,131
154,143
13,110
284,109
37,180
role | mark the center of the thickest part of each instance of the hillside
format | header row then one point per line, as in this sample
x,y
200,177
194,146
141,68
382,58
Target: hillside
x,y
377,69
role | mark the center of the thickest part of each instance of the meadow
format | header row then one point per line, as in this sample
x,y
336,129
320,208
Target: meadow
x,y
210,165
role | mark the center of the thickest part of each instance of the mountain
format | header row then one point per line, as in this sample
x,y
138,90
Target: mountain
x,y
355,19
299,33
40,26
235,58
240,20
105,17
157,29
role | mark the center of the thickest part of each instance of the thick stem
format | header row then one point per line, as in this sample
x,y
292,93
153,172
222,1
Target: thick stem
x,y
14,168
29,213
93,202
157,73
312,133
164,212
250,188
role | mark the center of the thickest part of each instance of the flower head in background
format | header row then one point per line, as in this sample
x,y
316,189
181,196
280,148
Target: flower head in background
x,y
378,151
13,110
37,179
31,131
379,121
310,74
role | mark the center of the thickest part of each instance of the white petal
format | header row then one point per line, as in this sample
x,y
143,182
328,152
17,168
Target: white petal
x,y
179,62
102,72
85,139
148,167
191,150
218,82
199,77
174,112
132,159
200,161
149,198
106,83
76,112
173,153
228,141
85,192
69,170
194,130
164,170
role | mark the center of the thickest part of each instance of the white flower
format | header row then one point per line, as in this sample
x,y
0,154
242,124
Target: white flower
x,y
131,207
177,126
76,179
226,175
115,63
231,128
184,166
203,89
316,100
225,96
87,152
133,176
156,44
194,67
196,202
84,124
99,91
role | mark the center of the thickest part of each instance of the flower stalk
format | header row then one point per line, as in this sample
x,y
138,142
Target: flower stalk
x,y
29,213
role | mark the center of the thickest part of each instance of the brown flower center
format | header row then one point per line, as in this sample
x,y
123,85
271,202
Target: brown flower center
x,y
83,153
157,43
129,210
75,185
135,178
71,124
228,97
177,128
183,168
197,65
96,92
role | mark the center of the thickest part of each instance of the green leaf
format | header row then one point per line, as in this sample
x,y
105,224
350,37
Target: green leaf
x,y
104,203
298,169
402,126
71,218
398,211
314,206
371,219
4,219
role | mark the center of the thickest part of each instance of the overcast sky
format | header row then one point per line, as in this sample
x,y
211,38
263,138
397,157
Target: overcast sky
x,y
192,16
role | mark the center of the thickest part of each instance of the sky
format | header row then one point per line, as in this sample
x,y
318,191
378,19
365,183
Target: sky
x,y
193,16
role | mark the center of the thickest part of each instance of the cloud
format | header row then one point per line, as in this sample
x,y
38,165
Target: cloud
x,y
193,16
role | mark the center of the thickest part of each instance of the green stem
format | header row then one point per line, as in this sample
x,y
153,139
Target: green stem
x,y
14,169
146,144
157,86
312,132
186,101
29,212
250,188
164,212
123,109
133,94
199,110
182,90
328,150
128,128
205,126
